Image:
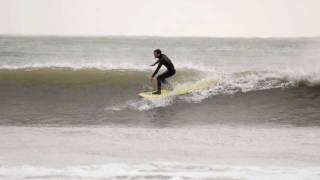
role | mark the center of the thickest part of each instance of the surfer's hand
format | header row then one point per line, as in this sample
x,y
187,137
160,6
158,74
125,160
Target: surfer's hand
x,y
151,79
152,64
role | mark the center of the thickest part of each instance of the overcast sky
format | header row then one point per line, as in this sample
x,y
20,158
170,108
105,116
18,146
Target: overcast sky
x,y
262,18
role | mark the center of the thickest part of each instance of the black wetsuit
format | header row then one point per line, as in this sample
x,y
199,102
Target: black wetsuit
x,y
164,60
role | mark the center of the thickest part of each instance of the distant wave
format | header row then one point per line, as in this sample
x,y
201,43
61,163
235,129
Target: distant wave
x,y
65,75
243,81
74,65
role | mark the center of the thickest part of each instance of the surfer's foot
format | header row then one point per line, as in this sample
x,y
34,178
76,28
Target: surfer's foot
x,y
157,92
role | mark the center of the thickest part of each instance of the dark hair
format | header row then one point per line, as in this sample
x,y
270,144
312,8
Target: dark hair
x,y
158,51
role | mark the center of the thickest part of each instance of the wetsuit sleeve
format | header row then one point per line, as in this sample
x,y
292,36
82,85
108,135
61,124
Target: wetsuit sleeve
x,y
157,62
159,66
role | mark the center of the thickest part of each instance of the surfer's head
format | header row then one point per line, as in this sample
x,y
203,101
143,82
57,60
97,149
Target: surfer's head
x,y
157,53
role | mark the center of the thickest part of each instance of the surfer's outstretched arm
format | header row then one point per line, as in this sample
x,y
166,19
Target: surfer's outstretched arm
x,y
155,63
156,71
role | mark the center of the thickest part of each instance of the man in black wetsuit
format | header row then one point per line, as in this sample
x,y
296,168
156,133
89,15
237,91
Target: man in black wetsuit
x,y
162,60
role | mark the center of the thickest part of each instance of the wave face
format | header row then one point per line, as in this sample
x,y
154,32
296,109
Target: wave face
x,y
90,81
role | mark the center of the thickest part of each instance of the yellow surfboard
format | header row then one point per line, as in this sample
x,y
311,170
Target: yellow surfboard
x,y
181,90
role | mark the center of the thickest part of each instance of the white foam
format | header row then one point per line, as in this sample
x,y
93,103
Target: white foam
x,y
77,66
159,170
103,65
144,104
242,82
115,108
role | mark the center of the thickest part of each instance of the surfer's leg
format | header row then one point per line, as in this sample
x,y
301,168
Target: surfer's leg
x,y
165,81
166,75
161,78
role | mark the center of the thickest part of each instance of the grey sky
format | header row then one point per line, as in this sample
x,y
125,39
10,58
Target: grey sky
x,y
263,18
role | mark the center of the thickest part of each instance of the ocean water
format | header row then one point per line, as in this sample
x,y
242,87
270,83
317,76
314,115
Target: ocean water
x,y
54,84
55,81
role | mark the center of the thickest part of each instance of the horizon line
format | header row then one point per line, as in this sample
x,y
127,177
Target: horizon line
x,y
152,36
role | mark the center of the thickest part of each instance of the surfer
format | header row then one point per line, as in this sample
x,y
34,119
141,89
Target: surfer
x,y
162,60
